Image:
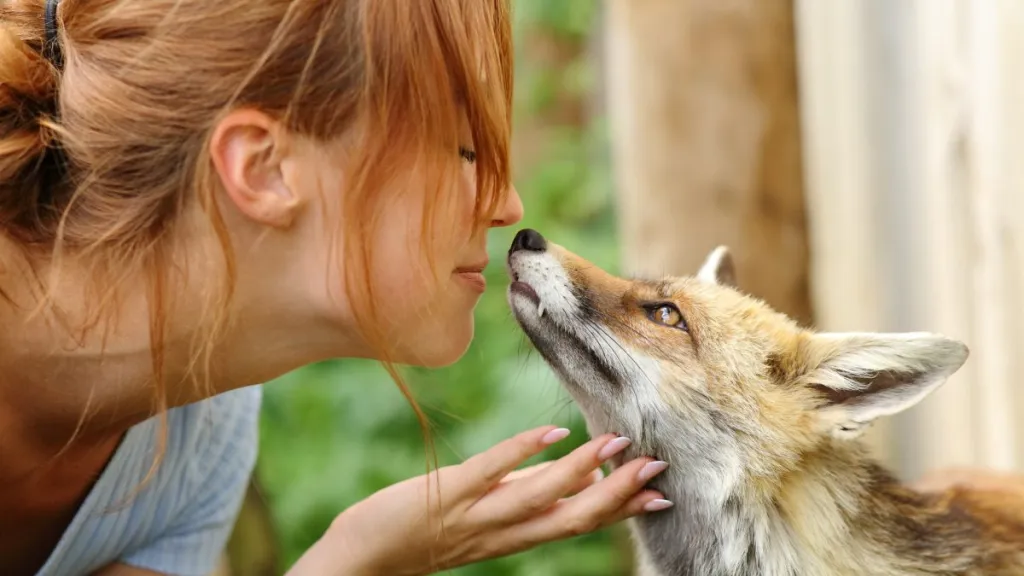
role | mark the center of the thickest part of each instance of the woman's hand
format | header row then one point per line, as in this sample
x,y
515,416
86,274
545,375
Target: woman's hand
x,y
486,509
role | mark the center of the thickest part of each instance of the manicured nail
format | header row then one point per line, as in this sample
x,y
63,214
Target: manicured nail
x,y
614,447
652,469
659,504
555,435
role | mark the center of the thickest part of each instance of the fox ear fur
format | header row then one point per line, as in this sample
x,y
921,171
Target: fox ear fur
x,y
718,268
864,376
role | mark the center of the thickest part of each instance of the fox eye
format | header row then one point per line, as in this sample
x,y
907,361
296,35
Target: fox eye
x,y
467,154
667,315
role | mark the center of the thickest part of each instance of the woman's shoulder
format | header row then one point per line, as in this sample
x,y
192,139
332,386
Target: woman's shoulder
x,y
210,448
208,451
168,499
215,427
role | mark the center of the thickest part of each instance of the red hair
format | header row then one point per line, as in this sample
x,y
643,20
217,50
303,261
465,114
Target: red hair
x,y
145,82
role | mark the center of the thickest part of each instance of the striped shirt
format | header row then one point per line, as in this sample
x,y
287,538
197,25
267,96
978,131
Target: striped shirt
x,y
179,521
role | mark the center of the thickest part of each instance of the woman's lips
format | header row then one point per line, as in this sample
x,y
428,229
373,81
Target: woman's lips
x,y
473,276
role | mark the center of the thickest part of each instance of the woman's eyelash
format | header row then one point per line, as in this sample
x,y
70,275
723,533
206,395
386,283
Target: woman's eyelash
x,y
467,154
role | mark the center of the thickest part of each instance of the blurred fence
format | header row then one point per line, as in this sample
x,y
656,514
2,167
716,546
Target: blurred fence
x,y
913,127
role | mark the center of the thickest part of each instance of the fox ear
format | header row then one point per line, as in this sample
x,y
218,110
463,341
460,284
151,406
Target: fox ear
x,y
863,376
718,268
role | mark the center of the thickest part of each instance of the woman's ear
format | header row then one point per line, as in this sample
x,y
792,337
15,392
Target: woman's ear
x,y
247,149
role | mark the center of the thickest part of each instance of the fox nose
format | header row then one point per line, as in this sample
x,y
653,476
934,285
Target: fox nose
x,y
528,239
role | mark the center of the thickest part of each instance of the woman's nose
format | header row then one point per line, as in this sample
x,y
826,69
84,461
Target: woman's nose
x,y
511,212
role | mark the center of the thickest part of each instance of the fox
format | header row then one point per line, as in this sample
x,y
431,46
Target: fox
x,y
761,421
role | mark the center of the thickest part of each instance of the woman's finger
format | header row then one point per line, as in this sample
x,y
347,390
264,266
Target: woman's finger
x,y
525,472
644,502
614,498
519,537
478,474
595,476
536,493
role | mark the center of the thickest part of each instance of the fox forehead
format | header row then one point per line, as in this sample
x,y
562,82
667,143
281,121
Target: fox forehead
x,y
718,317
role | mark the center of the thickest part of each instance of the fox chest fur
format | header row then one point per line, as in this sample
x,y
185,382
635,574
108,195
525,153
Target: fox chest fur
x,y
760,421
879,528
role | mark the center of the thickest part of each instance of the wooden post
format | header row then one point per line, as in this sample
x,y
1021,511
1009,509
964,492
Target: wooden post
x,y
837,74
914,184
705,136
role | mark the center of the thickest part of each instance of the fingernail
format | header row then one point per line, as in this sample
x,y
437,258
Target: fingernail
x,y
614,447
555,435
652,469
659,504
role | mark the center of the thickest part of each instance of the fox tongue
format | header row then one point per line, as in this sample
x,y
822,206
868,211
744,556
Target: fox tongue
x,y
525,289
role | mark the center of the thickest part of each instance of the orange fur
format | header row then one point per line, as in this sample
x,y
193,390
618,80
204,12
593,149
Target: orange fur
x,y
759,419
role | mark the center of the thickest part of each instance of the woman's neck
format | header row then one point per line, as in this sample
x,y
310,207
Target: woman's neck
x,y
64,374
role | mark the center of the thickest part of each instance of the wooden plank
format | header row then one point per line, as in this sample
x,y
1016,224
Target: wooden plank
x,y
841,174
702,100
1011,22
987,189
936,292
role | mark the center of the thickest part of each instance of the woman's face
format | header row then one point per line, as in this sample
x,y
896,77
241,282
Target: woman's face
x,y
429,315
425,308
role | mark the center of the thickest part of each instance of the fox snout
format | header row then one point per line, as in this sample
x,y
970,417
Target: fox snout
x,y
549,298
562,303
547,279
528,242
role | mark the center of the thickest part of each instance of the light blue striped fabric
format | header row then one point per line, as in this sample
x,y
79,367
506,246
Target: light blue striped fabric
x,y
178,523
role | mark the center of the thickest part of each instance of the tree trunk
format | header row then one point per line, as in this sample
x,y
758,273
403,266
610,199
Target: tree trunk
x,y
705,136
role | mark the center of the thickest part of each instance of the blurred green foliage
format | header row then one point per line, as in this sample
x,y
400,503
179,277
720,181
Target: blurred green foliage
x,y
334,433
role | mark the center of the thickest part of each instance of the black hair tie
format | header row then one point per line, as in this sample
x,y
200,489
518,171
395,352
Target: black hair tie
x,y
52,49
54,164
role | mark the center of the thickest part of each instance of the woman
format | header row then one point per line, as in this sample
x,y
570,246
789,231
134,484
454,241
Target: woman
x,y
197,197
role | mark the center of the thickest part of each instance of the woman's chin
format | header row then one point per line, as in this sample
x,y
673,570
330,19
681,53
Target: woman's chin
x,y
438,352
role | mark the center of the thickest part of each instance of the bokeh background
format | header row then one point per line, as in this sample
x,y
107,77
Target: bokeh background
x,y
858,156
